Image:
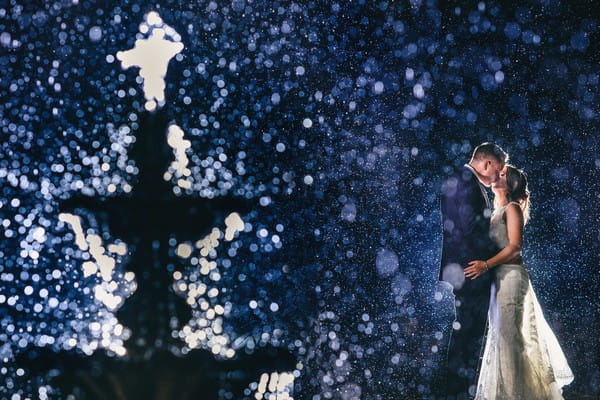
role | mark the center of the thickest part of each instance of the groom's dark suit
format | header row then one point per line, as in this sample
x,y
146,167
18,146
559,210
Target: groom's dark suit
x,y
466,213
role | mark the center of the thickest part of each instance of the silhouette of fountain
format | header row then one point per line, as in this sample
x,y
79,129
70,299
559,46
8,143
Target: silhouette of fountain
x,y
146,219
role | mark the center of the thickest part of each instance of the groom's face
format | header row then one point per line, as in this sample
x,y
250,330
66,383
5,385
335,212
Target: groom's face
x,y
493,168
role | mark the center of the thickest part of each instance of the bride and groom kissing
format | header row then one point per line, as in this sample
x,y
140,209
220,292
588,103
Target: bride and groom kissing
x,y
481,259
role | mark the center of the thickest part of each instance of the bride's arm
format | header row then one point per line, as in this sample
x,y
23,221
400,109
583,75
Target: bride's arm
x,y
514,226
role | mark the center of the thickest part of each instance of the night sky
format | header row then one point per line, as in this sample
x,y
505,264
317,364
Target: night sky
x,y
334,124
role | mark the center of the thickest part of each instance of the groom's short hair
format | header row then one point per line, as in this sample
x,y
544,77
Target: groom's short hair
x,y
487,149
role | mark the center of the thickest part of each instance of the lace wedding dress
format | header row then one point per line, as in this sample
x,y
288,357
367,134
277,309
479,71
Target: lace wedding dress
x,y
522,359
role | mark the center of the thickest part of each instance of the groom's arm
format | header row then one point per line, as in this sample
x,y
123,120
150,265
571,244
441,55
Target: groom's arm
x,y
459,201
468,202
458,219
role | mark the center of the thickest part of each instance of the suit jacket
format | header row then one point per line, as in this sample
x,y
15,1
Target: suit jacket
x,y
466,212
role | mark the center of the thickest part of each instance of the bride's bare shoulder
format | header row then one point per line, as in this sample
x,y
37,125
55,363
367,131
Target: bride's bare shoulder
x,y
513,210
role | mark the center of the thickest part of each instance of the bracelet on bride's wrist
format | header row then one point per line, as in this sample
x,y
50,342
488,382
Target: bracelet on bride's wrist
x,y
487,267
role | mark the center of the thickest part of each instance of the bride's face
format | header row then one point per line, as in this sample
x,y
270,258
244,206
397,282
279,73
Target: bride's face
x,y
500,184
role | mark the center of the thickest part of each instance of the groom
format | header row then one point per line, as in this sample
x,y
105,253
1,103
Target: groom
x,y
466,211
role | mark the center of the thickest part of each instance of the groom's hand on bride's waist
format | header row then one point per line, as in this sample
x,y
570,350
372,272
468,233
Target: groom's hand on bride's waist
x,y
475,269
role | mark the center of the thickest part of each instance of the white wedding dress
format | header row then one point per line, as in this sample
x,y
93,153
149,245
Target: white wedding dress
x,y
522,359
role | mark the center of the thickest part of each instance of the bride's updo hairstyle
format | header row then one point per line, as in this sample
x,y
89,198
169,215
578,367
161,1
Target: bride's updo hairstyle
x,y
516,180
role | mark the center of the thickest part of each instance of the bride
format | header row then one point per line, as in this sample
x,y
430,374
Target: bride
x,y
522,358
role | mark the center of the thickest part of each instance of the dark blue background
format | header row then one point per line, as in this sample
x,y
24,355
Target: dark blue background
x,y
376,158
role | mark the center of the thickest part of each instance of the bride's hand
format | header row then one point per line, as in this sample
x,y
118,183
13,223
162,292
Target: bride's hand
x,y
475,269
